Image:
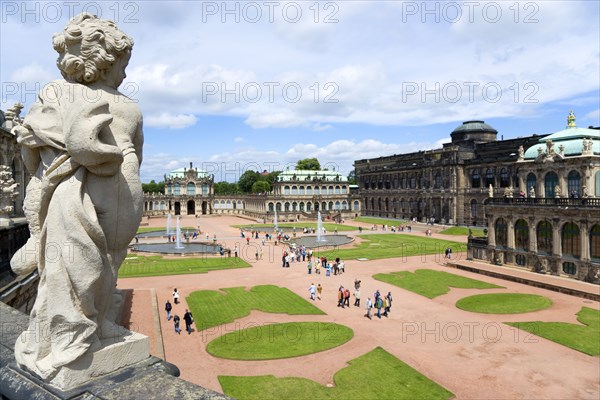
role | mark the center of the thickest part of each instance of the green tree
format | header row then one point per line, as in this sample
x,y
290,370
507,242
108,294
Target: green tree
x,y
261,186
224,188
352,177
153,187
272,177
311,164
248,179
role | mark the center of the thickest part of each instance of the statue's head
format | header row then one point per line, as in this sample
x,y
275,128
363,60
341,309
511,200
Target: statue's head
x,y
92,49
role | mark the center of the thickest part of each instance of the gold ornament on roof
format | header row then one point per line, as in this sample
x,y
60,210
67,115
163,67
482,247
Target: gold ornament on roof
x,y
571,120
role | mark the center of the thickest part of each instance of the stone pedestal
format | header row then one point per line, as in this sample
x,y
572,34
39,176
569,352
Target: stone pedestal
x,y
117,352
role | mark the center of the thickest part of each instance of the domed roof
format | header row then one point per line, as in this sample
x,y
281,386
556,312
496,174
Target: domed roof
x,y
571,140
474,126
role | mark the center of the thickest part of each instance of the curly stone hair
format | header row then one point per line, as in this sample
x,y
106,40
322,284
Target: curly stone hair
x,y
88,47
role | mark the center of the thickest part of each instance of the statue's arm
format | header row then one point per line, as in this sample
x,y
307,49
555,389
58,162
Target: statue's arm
x,y
138,141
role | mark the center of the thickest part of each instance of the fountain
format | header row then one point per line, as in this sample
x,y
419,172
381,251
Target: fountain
x,y
178,244
169,225
320,228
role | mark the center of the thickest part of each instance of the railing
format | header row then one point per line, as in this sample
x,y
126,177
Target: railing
x,y
543,201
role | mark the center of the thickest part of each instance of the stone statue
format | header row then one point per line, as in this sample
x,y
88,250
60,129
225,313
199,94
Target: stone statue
x,y
587,145
557,191
521,153
549,147
584,191
84,202
532,192
561,150
8,194
491,191
499,258
541,266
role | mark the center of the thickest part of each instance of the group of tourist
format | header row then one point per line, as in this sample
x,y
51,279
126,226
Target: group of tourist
x,y
187,317
343,299
379,303
295,254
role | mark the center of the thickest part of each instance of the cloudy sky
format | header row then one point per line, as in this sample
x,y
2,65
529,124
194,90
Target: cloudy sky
x,y
238,85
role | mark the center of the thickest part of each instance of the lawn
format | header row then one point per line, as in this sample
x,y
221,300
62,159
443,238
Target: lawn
x,y
431,283
377,375
141,266
163,229
581,338
381,221
462,231
393,245
329,227
212,308
504,303
269,342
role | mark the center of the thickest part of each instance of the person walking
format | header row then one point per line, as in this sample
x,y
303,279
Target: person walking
x,y
175,296
319,290
357,298
341,297
379,305
189,319
369,307
309,266
347,297
168,308
387,305
176,322
312,289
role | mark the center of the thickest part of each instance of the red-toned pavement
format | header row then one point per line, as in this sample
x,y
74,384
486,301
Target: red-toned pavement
x,y
473,355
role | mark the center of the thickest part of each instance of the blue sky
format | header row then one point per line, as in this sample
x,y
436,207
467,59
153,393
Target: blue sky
x,y
237,85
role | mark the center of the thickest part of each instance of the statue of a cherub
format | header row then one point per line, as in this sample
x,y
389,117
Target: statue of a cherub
x,y
82,142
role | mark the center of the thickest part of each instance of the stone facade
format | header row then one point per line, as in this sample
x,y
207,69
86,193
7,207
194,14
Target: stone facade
x,y
10,155
448,184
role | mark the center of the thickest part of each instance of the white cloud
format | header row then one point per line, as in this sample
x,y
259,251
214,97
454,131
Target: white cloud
x,y
169,121
593,117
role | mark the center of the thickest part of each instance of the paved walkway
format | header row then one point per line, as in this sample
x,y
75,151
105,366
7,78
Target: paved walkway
x,y
473,355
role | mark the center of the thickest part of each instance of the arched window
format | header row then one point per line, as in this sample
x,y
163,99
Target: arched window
x,y
550,182
294,206
501,232
271,207
403,182
574,184
595,242
287,206
544,237
324,206
437,183
309,190
344,190
473,208
344,205
176,189
317,191
330,205
396,182
278,206
571,242
337,205
489,178
504,181
191,189
413,182
356,205
302,206
330,190
286,190
309,206
338,190
301,191
522,235
204,190
475,178
323,190
388,184
531,182
294,190
169,189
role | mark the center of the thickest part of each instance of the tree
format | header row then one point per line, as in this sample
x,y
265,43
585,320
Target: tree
x,y
153,187
247,180
261,187
311,164
352,177
225,188
272,177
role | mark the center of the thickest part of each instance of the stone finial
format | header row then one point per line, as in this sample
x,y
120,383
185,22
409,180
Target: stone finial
x,y
521,153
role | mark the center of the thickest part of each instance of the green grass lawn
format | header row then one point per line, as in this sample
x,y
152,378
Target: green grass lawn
x,y
462,231
329,227
431,283
377,375
392,245
140,266
269,342
211,308
581,338
381,221
504,303
163,229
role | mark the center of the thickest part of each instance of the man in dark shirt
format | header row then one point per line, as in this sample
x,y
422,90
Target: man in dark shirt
x,y
187,317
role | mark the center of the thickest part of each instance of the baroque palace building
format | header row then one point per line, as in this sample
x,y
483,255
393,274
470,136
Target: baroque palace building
x,y
296,195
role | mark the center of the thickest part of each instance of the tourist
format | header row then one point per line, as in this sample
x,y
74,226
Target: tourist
x,y
309,266
357,298
369,307
357,284
341,297
317,265
319,291
175,296
328,269
176,322
388,303
312,289
379,305
187,317
341,267
235,251
347,298
168,308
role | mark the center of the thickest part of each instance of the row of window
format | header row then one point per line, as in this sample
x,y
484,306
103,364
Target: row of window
x,y
301,190
570,237
490,178
551,181
228,204
308,206
406,182
191,189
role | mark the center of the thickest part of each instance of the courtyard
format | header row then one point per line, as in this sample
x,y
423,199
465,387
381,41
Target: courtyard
x,y
474,355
